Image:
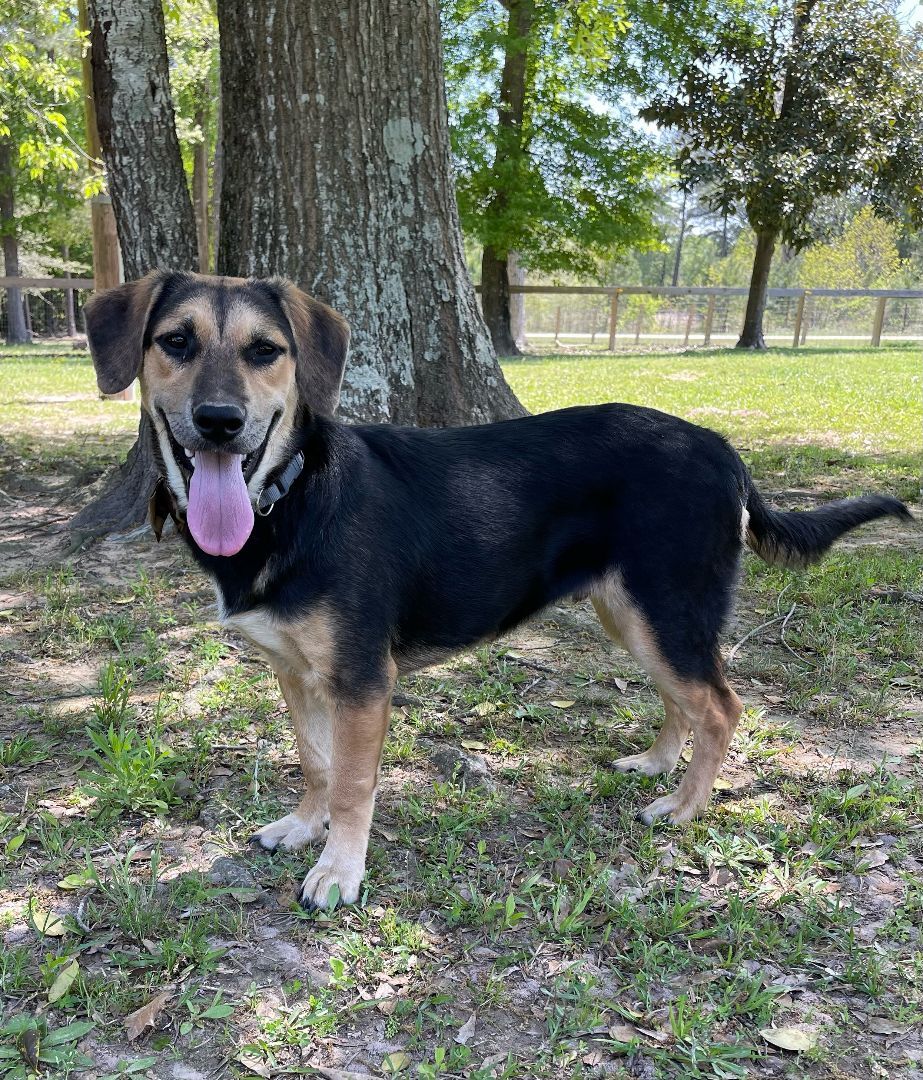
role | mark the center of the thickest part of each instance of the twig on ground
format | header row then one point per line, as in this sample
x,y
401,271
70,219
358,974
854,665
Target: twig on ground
x,y
756,630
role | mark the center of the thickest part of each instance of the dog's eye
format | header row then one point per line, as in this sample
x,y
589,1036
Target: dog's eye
x,y
264,350
175,342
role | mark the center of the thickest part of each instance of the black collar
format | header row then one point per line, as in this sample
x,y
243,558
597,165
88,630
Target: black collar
x,y
273,492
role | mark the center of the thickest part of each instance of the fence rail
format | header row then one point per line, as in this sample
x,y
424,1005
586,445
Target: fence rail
x,y
798,303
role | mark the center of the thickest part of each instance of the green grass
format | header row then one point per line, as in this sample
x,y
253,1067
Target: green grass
x,y
862,400
582,942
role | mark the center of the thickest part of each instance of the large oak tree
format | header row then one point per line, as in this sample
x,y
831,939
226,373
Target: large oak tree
x,y
337,174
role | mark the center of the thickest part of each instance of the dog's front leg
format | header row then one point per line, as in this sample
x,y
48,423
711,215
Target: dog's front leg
x,y
310,710
359,730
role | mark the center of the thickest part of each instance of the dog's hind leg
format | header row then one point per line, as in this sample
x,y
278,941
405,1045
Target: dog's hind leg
x,y
703,704
310,713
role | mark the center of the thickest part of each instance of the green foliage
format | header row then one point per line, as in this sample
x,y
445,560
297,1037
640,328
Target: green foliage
x,y
800,101
574,181
866,256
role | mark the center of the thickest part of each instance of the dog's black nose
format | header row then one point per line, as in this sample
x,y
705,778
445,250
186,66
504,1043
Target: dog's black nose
x,y
219,423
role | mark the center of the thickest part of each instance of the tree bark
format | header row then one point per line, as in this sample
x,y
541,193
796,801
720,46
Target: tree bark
x,y
516,273
70,316
137,131
200,190
150,196
752,334
337,174
678,256
17,332
510,150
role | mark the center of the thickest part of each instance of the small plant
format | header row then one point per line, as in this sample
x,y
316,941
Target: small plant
x,y
28,1048
114,695
218,1010
20,750
132,771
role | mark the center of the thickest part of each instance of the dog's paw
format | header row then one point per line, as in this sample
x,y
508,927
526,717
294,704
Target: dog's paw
x,y
290,833
647,764
335,879
672,808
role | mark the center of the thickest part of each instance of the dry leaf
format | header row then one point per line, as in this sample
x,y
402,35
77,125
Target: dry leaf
x,y
876,857
145,1017
881,1025
63,982
49,924
484,708
396,1062
465,1032
473,744
622,684
796,1039
254,1065
562,704
623,1033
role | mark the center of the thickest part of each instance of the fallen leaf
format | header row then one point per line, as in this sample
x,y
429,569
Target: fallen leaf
x,y
63,982
387,1005
473,744
145,1017
796,1039
623,1033
254,1065
79,880
246,896
622,684
484,708
465,1032
876,857
396,1062
49,924
562,704
881,1025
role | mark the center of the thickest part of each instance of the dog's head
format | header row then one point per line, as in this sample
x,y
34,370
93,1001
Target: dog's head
x,y
226,365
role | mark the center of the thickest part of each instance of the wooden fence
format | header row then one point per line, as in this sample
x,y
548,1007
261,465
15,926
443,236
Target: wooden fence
x,y
801,297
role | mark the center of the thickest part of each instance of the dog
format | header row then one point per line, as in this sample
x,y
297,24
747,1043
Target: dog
x,y
351,554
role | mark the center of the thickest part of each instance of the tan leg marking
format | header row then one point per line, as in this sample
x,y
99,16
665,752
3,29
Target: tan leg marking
x,y
710,712
358,736
311,718
714,712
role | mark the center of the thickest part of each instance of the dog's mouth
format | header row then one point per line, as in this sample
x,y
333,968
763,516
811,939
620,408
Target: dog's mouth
x,y
220,512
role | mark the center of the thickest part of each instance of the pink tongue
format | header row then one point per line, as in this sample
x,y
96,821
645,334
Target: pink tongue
x,y
220,516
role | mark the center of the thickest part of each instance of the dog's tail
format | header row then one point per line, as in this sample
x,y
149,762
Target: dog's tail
x,y
799,538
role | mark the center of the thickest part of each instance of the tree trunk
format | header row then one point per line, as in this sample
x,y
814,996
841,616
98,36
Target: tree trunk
x,y
217,176
137,131
16,331
70,316
200,189
337,174
752,335
678,257
516,273
510,152
496,303
153,210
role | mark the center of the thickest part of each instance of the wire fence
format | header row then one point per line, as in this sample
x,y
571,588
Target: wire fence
x,y
599,318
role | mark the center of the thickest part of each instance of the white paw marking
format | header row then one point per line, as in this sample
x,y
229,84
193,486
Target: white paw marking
x,y
291,832
645,763
345,870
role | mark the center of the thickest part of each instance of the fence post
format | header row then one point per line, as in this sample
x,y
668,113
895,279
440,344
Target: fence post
x,y
709,319
799,319
689,317
879,320
613,318
557,325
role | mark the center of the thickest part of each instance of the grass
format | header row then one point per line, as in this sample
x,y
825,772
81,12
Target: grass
x,y
528,926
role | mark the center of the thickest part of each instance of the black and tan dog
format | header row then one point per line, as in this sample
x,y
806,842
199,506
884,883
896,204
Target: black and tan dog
x,y
389,548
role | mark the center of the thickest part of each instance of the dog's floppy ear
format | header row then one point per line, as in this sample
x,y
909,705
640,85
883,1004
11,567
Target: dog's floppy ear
x,y
115,322
322,340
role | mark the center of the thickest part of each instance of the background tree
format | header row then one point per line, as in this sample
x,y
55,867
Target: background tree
x,y
150,196
549,163
38,85
337,174
793,103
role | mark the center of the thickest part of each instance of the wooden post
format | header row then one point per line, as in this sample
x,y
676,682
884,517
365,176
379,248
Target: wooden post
x,y
613,318
557,325
107,270
638,326
879,320
799,319
709,319
689,317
